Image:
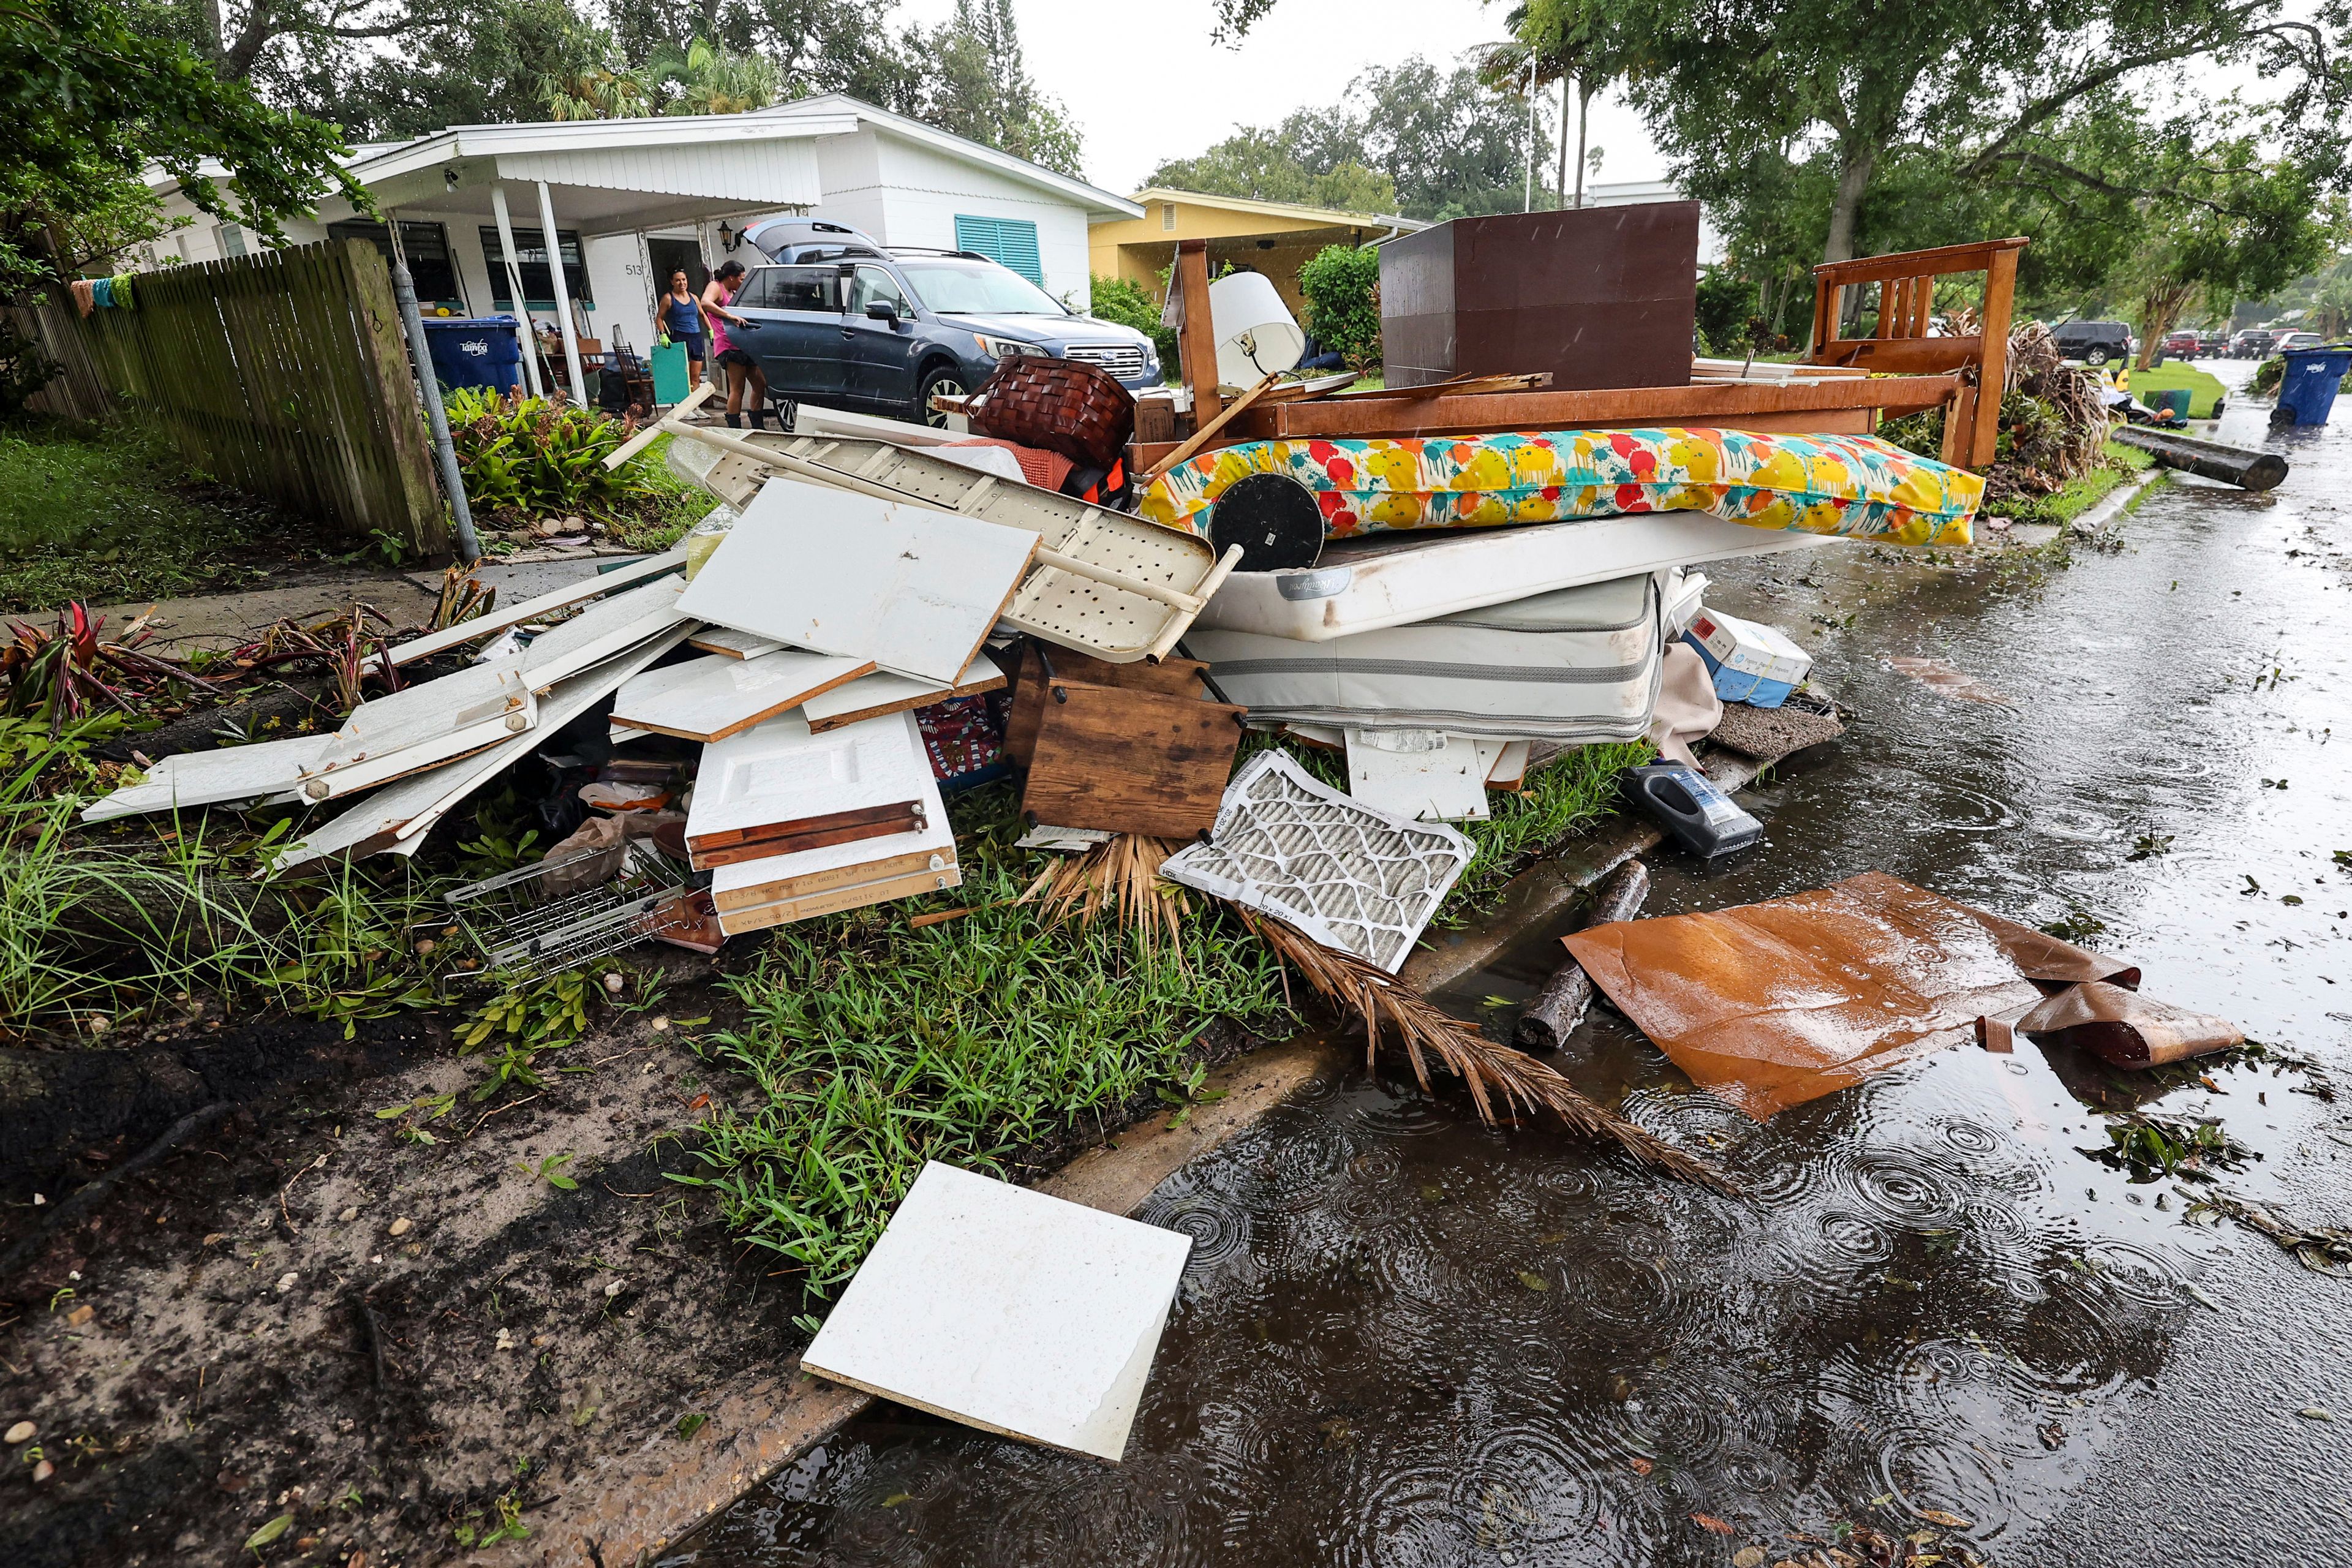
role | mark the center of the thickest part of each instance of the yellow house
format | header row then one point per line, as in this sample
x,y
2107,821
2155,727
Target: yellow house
x,y
1273,238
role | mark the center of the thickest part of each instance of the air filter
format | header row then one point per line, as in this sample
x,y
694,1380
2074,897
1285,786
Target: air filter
x,y
1351,878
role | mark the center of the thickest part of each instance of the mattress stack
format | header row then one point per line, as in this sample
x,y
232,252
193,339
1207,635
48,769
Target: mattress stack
x,y
1436,662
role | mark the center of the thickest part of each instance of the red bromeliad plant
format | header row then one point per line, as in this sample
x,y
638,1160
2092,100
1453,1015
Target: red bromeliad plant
x,y
72,672
350,645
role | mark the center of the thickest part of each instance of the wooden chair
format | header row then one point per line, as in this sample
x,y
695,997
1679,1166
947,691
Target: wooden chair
x,y
1900,345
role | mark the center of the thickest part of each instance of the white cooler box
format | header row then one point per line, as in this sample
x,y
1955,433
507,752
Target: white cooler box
x,y
1577,665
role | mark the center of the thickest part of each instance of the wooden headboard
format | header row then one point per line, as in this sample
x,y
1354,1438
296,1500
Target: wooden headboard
x,y
1900,345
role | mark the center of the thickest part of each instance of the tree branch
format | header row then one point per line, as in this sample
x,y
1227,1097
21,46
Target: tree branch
x,y
2053,103
2047,164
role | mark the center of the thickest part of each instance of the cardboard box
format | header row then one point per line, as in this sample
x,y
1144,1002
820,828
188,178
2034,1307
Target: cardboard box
x,y
1751,663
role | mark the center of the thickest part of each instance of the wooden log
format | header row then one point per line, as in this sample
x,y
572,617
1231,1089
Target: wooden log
x,y
1562,1004
2236,466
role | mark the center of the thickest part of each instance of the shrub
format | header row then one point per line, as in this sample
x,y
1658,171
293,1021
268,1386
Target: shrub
x,y
1125,302
1342,285
1726,301
528,457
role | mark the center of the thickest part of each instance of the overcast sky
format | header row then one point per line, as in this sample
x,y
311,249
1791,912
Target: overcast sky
x,y
1145,82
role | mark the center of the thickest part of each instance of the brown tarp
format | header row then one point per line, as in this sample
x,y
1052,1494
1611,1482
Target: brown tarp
x,y
2127,1029
1775,1003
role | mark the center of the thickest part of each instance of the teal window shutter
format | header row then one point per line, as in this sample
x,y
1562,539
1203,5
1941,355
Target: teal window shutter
x,y
1008,241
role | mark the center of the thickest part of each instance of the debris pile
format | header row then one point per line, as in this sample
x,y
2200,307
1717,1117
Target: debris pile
x,y
766,725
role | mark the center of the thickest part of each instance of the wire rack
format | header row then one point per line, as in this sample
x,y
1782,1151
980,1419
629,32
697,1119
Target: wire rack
x,y
524,931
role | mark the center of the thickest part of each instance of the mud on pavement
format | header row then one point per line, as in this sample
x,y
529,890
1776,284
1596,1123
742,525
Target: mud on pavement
x,y
397,1348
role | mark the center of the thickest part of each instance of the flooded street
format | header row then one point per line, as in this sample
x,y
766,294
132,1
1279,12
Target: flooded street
x,y
1404,1339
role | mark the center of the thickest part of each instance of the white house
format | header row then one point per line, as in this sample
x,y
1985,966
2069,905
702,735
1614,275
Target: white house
x,y
625,201
1632,192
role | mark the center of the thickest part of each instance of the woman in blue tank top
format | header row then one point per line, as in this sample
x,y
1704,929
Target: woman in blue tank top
x,y
682,319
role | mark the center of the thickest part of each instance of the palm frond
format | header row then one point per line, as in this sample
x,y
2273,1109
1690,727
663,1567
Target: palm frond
x,y
1493,1073
1119,876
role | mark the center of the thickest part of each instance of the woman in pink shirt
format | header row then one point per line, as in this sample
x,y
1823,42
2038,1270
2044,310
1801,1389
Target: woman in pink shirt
x,y
740,367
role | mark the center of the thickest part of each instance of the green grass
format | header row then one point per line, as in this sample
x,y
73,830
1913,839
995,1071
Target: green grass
x,y
2205,390
118,922
874,1047
105,514
1570,794
680,506
2119,466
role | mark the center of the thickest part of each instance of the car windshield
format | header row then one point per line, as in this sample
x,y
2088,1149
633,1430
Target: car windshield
x,y
977,289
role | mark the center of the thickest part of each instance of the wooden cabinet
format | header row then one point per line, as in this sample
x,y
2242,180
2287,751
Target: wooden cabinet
x,y
1125,748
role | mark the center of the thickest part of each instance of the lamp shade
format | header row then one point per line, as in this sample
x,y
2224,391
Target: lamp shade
x,y
1256,335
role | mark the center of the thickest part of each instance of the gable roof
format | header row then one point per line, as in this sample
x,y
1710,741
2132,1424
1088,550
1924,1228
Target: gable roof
x,y
382,161
1097,202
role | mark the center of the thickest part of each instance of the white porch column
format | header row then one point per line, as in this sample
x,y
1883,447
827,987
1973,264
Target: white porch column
x,y
514,292
563,294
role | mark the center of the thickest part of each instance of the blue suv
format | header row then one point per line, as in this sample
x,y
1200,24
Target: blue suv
x,y
840,323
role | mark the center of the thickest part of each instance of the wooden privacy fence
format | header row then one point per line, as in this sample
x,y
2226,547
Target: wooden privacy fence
x,y
283,375
77,391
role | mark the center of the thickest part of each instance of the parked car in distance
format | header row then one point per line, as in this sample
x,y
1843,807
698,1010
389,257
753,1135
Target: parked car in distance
x,y
2251,342
842,323
2296,341
2094,342
2215,344
2184,343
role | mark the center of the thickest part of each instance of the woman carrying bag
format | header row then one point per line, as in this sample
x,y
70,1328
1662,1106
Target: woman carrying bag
x,y
682,320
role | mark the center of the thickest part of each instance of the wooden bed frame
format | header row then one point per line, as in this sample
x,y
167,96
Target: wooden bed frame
x,y
1900,345
1924,373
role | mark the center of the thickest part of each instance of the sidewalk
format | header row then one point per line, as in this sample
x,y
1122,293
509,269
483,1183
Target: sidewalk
x,y
406,596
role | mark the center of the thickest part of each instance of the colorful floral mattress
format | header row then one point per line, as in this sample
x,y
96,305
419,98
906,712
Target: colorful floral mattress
x,y
1854,485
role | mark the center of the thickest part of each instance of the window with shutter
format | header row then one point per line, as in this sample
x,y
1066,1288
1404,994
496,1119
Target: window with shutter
x,y
1010,242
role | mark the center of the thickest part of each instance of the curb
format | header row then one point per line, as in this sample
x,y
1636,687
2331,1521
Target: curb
x,y
1554,883
2115,503
633,1506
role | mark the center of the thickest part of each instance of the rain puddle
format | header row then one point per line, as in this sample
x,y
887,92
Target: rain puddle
x,y
1940,677
1405,1339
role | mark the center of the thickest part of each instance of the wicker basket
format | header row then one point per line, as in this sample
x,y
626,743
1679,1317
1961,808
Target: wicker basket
x,y
1063,405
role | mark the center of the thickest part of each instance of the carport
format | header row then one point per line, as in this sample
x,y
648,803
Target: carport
x,y
592,178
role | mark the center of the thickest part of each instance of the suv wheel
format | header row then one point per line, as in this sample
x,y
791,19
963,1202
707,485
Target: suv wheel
x,y
940,381
2095,355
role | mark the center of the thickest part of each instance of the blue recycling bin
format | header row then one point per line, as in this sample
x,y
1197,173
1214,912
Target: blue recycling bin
x,y
2308,391
474,350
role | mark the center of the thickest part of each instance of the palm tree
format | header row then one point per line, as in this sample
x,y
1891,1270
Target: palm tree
x,y
706,77
1574,43
711,79
597,93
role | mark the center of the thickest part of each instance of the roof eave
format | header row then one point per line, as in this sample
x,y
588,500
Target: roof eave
x,y
1340,218
1093,198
